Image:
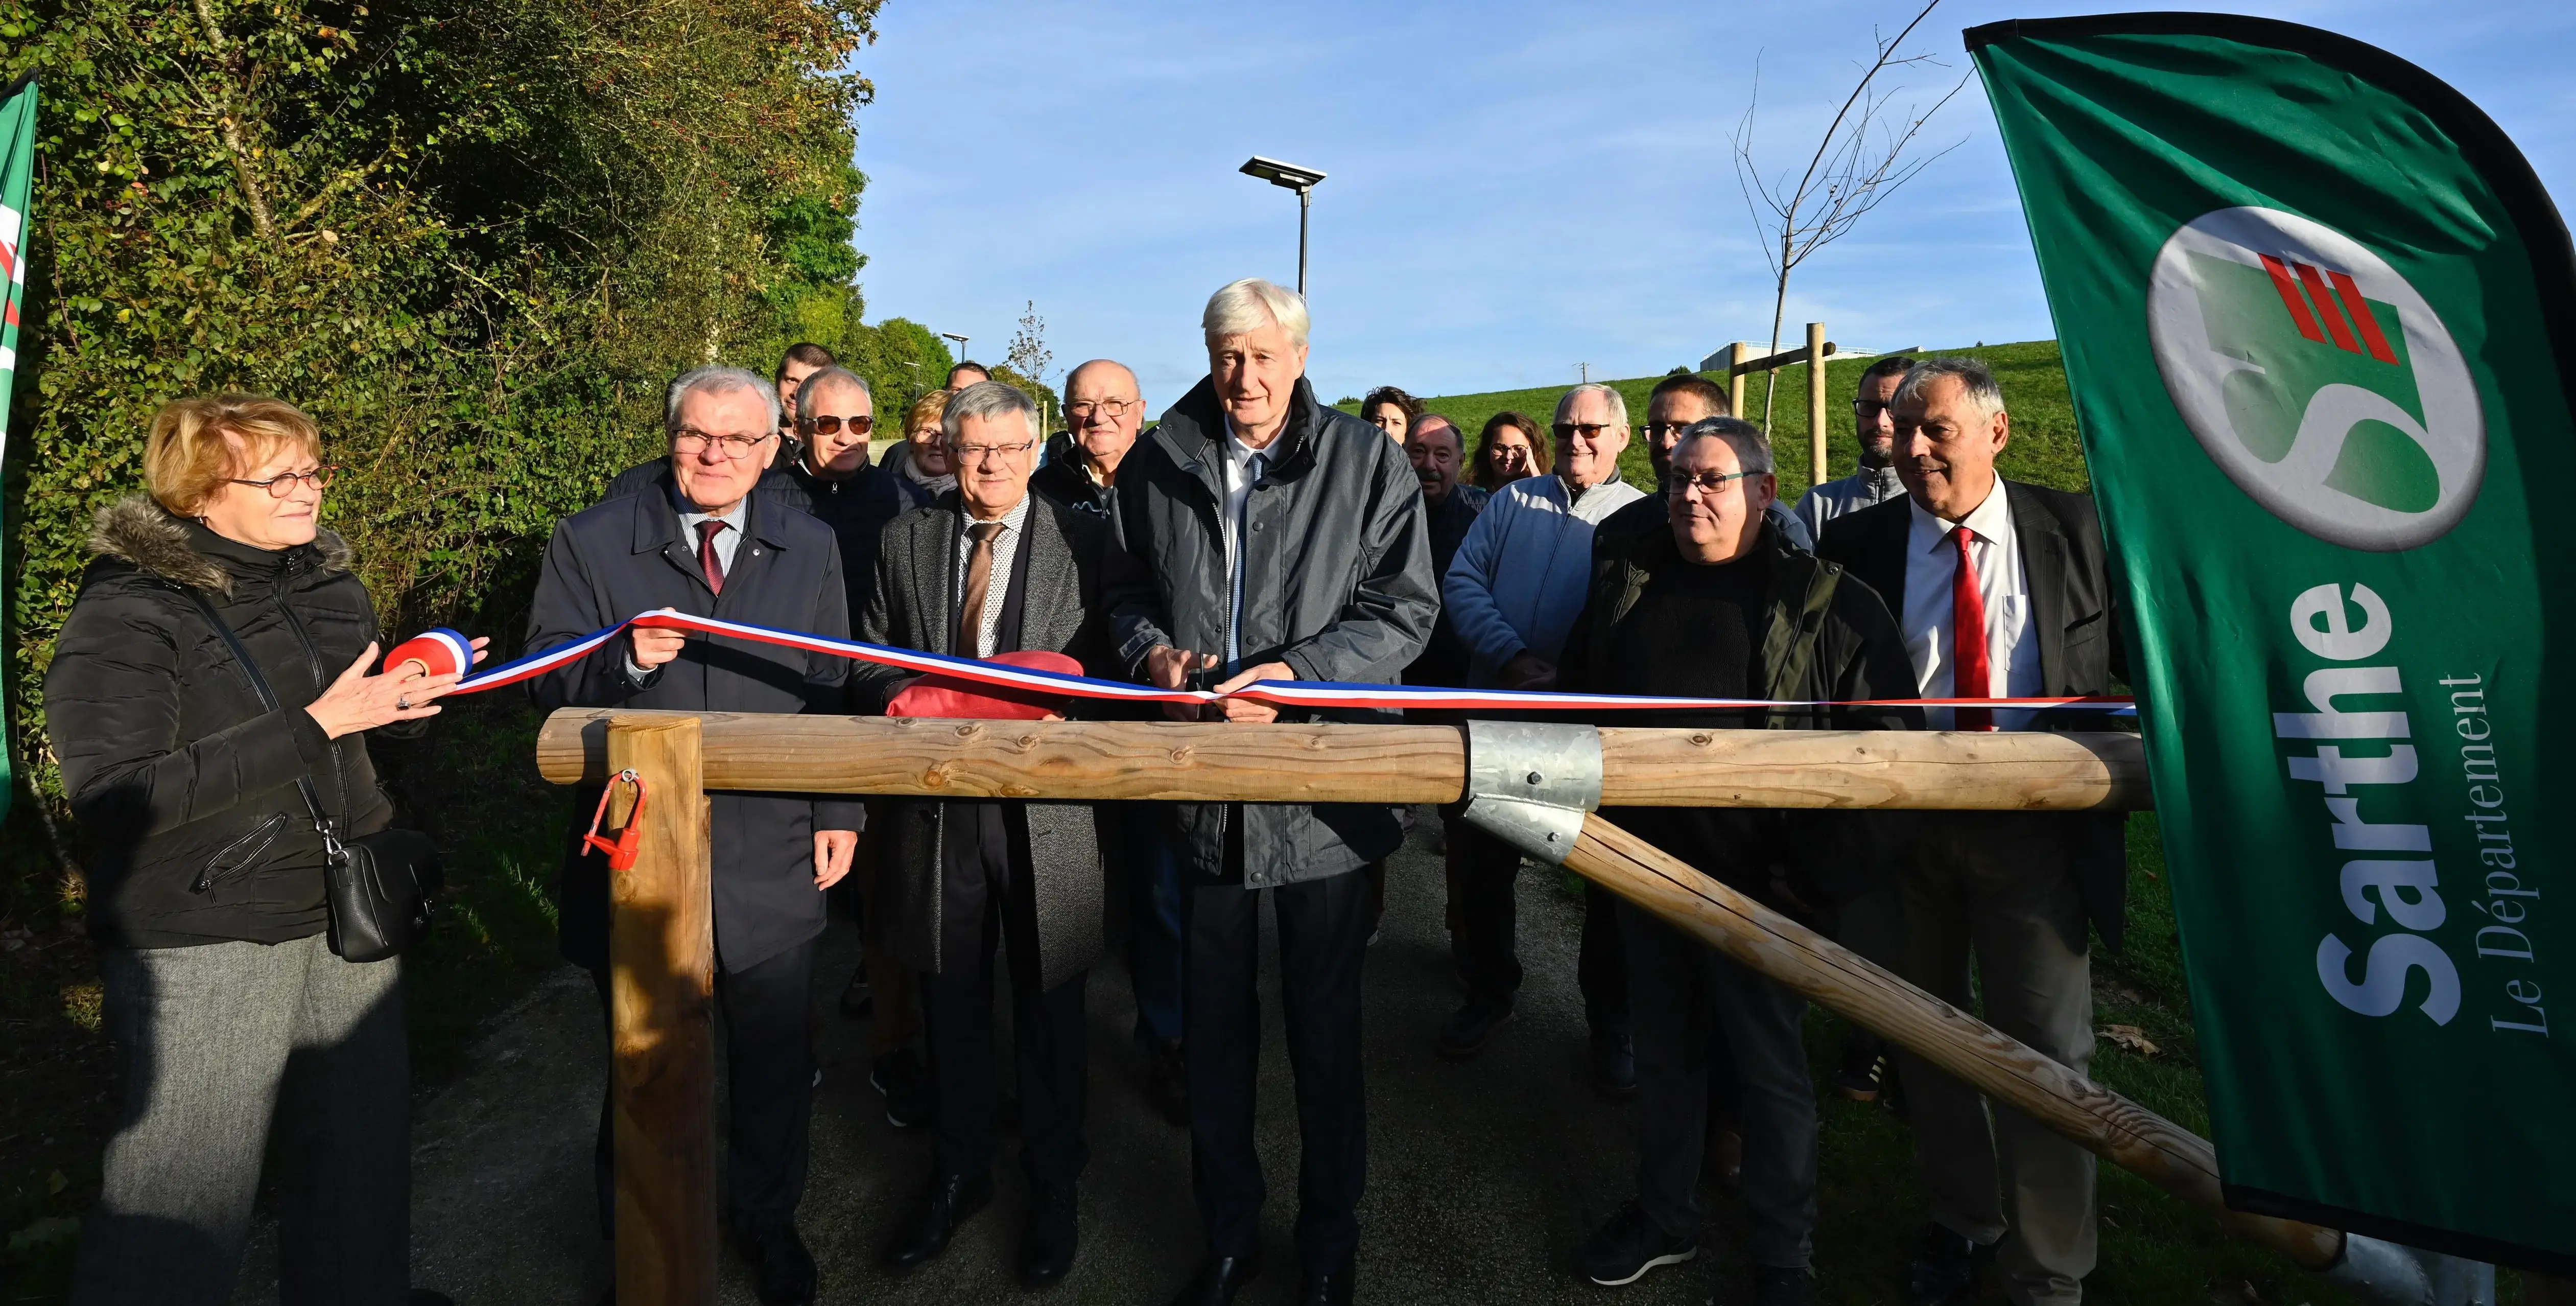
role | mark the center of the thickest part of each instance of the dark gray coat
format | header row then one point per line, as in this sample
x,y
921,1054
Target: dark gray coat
x,y
628,556
1054,601
1337,584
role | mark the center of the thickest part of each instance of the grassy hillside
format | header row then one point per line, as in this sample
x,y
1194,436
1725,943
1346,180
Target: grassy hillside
x,y
2044,449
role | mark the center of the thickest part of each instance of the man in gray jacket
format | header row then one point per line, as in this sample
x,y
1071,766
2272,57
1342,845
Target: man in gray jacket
x,y
1263,536
1512,592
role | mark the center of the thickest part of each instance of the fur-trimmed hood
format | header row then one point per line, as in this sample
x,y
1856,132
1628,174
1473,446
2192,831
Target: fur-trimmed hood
x,y
138,530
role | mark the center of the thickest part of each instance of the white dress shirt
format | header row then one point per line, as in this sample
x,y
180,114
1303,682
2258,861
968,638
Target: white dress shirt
x,y
1006,550
2012,641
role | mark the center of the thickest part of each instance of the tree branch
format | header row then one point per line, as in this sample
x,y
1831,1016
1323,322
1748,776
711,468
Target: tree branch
x,y
228,126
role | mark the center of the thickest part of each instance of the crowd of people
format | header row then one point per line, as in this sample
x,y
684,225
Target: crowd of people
x,y
1249,534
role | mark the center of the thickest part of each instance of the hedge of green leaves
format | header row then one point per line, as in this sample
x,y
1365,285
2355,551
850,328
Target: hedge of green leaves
x,y
473,237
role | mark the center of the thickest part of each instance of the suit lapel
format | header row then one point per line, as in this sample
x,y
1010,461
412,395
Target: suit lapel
x,y
1050,595
933,543
2043,568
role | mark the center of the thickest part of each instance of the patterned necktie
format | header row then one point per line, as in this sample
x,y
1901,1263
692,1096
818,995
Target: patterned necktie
x,y
710,561
1969,676
979,579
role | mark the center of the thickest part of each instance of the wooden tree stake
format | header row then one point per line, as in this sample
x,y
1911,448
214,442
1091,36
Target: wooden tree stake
x,y
1815,403
661,953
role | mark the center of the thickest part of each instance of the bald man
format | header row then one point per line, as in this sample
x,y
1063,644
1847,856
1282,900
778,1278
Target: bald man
x,y
1104,409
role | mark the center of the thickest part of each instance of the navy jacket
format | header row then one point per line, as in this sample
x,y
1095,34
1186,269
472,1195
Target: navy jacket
x,y
628,556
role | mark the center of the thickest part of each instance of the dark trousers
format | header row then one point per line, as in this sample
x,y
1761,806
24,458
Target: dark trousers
x,y
769,1083
1684,992
1323,937
1485,923
1137,842
1047,1030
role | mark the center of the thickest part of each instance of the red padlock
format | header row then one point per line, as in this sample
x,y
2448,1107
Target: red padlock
x,y
623,849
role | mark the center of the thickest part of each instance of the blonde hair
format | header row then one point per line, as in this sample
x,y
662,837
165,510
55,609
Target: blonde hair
x,y
190,452
926,409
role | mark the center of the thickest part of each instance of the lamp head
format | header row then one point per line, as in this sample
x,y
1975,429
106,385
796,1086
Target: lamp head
x,y
1287,175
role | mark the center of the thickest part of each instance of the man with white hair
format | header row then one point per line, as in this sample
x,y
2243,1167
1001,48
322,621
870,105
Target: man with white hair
x,y
1512,592
2001,591
1719,604
702,542
1264,536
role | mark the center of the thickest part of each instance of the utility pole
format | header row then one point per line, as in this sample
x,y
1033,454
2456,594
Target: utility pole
x,y
1585,371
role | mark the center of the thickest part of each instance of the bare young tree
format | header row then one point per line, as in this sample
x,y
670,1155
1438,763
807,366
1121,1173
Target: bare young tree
x,y
1029,354
1859,162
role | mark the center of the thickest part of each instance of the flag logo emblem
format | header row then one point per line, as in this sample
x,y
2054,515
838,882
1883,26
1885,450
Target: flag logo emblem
x,y
2317,378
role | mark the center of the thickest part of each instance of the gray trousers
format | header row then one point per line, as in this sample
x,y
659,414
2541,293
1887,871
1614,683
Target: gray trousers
x,y
1678,989
1998,886
212,1043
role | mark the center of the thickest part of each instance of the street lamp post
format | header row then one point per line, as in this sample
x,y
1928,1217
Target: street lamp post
x,y
961,344
1300,180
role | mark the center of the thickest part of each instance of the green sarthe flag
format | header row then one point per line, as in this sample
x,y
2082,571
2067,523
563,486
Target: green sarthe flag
x,y
17,172
2320,322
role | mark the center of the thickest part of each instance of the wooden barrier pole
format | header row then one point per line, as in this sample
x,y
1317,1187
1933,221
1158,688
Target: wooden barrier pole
x,y
2115,1128
661,954
1815,403
1735,355
1099,761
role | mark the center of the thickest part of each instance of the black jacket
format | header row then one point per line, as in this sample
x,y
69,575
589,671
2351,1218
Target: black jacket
x,y
183,783
2081,626
1064,481
1337,584
1824,639
1444,658
627,556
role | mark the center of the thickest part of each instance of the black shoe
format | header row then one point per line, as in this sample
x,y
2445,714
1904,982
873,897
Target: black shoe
x,y
1944,1270
1167,1080
1628,1246
1774,1286
1614,1064
1218,1279
1861,1077
782,1270
1328,1289
1049,1239
905,1082
858,1001
950,1201
1467,1032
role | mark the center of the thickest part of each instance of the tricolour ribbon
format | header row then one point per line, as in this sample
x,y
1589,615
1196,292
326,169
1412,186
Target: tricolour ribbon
x,y
1277,693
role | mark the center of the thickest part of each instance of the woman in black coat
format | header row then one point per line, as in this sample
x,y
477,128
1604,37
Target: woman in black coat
x,y
206,889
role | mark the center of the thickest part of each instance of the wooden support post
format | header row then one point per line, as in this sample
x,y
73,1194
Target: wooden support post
x,y
661,953
1735,355
1816,403
2006,1070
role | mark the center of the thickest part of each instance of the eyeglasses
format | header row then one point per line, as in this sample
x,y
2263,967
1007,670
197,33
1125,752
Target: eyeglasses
x,y
1865,409
1708,483
1588,430
1113,409
859,425
690,440
282,485
1661,431
975,453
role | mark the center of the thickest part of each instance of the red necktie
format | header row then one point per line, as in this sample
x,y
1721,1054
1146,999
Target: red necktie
x,y
1969,677
709,561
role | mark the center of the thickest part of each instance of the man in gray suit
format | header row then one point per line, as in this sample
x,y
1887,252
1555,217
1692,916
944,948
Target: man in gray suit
x,y
991,569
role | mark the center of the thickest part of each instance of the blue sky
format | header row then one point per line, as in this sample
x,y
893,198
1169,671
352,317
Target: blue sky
x,y
1515,188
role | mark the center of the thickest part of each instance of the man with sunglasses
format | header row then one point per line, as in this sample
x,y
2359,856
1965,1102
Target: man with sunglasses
x,y
1717,605
1513,591
834,414
703,542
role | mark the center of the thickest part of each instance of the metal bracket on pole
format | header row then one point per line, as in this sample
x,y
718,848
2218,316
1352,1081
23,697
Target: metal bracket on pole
x,y
2389,1274
1529,784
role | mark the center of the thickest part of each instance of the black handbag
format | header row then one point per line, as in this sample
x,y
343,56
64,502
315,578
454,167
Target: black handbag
x,y
383,887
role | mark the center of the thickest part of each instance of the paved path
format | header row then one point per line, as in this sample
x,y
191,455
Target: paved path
x,y
1484,1178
